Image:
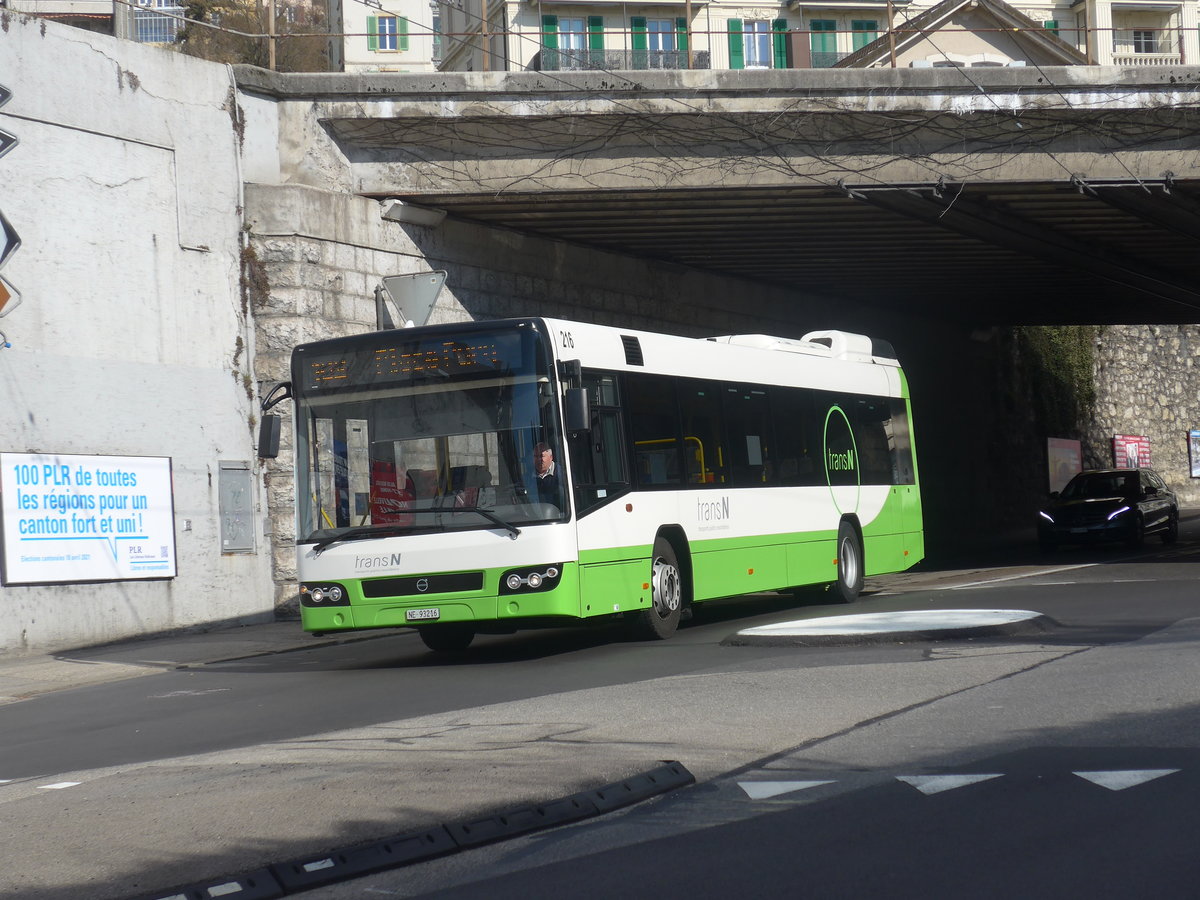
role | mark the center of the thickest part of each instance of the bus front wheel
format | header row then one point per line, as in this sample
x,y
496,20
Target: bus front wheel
x,y
849,564
661,620
447,638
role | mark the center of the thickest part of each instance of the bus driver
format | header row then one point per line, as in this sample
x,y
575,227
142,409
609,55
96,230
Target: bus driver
x,y
547,474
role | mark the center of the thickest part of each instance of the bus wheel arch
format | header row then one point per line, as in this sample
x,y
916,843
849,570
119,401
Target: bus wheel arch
x,y
670,587
851,561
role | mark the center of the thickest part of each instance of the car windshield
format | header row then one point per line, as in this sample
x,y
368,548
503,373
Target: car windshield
x,y
1101,484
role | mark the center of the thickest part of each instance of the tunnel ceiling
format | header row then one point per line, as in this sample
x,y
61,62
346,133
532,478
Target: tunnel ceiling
x,y
982,254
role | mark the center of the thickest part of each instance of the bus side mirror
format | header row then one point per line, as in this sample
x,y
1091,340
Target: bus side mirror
x,y
576,412
268,437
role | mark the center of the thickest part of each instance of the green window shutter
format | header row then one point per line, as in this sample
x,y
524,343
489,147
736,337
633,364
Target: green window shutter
x,y
595,27
639,43
681,34
637,25
737,49
550,32
865,31
779,44
372,34
823,45
1051,25
401,33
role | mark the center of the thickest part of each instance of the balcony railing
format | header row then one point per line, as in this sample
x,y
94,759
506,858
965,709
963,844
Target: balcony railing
x,y
153,28
581,60
1147,47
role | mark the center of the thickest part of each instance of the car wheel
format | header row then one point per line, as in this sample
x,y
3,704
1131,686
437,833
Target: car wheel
x,y
661,620
849,582
447,638
1171,534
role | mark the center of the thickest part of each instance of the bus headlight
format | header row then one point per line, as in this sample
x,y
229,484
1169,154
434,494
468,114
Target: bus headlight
x,y
323,594
530,579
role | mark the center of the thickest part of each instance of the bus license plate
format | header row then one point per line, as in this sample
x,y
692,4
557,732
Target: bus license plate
x,y
421,615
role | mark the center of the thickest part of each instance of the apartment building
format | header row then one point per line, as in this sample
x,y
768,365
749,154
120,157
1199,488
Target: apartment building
x,y
552,35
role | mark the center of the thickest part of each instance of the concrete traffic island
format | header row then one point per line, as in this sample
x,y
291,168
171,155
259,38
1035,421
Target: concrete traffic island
x,y
894,627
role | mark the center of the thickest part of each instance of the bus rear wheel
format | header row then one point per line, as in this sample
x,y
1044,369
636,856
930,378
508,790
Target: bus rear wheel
x,y
447,638
661,620
849,564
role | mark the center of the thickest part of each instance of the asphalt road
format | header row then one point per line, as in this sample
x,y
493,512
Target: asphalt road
x,y
117,789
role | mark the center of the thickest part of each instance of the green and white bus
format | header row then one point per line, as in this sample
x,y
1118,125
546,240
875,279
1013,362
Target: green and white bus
x,y
682,470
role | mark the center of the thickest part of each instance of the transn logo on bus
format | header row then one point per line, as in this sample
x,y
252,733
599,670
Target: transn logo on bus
x,y
376,562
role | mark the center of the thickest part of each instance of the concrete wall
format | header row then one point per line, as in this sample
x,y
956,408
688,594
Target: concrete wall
x,y
132,338
1148,383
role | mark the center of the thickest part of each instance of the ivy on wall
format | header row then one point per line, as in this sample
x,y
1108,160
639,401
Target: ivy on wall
x,y
1059,363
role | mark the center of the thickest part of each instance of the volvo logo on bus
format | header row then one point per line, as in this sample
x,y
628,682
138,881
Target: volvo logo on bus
x,y
423,585
841,461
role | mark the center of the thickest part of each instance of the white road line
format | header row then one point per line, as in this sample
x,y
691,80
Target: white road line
x,y
59,786
935,784
1003,578
1118,780
762,790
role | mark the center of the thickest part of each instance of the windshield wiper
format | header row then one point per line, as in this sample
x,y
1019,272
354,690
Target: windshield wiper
x,y
367,531
487,514
355,534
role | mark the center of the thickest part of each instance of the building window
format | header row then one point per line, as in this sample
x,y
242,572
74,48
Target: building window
x,y
756,36
571,35
660,34
1145,42
864,31
1051,25
387,33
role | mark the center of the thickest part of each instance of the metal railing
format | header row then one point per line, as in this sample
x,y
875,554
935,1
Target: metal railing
x,y
553,60
1147,47
152,28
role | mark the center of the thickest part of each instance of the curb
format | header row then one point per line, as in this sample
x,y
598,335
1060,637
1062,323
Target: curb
x,y
284,879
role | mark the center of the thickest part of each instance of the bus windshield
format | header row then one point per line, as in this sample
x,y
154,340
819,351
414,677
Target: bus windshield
x,y
444,431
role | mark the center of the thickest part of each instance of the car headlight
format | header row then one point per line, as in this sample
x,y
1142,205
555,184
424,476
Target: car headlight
x,y
1116,512
1045,515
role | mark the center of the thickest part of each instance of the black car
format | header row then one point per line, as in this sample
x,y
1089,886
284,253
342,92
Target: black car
x,y
1110,505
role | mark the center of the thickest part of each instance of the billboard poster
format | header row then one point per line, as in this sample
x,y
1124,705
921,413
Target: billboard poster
x,y
1131,451
1194,451
1064,459
67,518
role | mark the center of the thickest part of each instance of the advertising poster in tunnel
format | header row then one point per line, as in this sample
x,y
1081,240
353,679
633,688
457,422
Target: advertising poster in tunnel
x,y
1064,458
70,518
1194,452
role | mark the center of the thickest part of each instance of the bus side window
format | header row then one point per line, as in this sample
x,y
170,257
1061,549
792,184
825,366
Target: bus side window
x,y
798,442
700,419
653,425
750,447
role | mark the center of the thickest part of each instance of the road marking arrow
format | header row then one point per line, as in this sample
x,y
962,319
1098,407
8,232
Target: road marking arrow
x,y
761,790
935,784
1119,780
